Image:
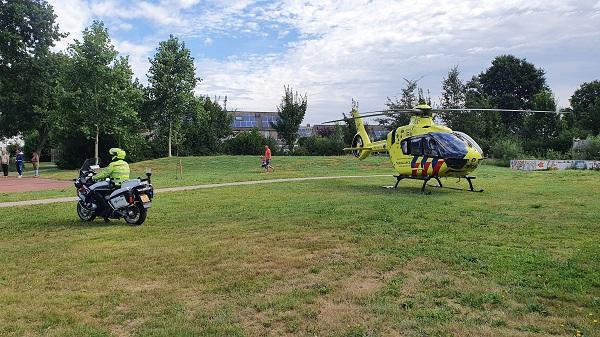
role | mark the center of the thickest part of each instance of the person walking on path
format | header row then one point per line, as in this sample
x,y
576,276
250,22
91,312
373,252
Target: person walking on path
x,y
35,161
4,159
268,157
20,158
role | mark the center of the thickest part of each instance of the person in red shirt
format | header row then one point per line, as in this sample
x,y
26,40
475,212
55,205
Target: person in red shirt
x,y
267,159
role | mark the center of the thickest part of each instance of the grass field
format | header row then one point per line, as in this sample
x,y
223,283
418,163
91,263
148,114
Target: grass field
x,y
318,258
202,170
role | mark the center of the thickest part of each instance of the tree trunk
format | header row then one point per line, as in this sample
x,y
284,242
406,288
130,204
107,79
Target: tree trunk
x,y
42,139
170,135
96,145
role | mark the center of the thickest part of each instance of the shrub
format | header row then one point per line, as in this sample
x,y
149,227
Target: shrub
x,y
589,151
249,142
507,149
555,155
75,148
322,146
300,150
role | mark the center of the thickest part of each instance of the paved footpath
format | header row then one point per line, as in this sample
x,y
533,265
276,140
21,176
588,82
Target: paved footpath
x,y
188,188
29,184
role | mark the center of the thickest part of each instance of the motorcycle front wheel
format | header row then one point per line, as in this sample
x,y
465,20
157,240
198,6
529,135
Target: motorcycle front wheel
x,y
136,215
84,213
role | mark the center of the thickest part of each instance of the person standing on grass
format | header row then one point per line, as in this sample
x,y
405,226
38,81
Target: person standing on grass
x,y
35,161
19,160
4,159
268,159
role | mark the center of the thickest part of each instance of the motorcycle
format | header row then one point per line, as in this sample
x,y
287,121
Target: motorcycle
x,y
129,201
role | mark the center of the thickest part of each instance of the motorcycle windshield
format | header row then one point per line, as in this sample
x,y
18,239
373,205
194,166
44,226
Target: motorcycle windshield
x,y
88,163
450,145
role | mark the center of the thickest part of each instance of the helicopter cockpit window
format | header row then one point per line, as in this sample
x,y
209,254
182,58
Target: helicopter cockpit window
x,y
416,146
405,146
449,145
431,147
468,140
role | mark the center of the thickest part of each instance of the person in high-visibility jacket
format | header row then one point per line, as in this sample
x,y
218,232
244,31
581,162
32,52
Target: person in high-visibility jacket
x,y
118,169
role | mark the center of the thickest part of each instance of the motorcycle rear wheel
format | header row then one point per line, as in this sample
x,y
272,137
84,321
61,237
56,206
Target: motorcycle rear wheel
x,y
138,217
85,214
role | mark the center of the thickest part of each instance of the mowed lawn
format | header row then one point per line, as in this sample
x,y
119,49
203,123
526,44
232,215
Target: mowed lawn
x,y
317,258
218,169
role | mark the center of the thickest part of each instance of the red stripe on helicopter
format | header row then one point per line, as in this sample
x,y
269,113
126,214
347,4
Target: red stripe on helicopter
x,y
437,166
414,165
423,161
425,169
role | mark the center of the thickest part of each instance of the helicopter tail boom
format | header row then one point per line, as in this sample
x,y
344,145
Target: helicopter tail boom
x,y
362,146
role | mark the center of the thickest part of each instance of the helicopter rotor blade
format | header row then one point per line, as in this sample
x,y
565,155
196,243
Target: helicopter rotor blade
x,y
373,114
253,112
391,112
499,110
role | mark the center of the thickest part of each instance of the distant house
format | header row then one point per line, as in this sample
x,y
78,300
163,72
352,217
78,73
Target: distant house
x,y
245,121
376,132
4,142
305,131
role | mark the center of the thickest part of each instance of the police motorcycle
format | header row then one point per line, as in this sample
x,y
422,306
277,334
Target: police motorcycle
x,y
129,201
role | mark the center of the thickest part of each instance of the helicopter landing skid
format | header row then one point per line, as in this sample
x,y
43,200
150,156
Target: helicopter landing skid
x,y
426,180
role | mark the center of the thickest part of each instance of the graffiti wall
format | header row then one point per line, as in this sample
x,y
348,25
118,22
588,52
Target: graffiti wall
x,y
541,165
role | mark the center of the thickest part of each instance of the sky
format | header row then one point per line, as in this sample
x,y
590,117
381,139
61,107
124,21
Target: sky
x,y
334,51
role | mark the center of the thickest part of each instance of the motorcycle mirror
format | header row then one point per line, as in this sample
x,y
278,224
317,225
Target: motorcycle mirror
x,y
148,171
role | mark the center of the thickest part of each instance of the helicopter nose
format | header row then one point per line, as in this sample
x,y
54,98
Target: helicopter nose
x,y
472,158
468,162
456,163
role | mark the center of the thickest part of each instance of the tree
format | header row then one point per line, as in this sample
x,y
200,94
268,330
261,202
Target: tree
x,y
484,127
407,100
291,113
541,130
586,108
101,96
453,97
453,90
206,126
172,79
27,29
511,83
30,89
349,130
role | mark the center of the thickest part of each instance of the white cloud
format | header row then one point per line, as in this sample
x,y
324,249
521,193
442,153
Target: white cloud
x,y
362,49
72,16
173,14
354,48
163,13
138,56
124,26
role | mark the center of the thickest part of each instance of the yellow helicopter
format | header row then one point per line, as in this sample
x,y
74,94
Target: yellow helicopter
x,y
423,150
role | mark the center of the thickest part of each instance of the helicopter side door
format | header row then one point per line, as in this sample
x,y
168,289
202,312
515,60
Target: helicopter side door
x,y
399,160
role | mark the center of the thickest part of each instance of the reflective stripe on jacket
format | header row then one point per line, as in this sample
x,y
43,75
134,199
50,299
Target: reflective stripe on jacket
x,y
116,170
